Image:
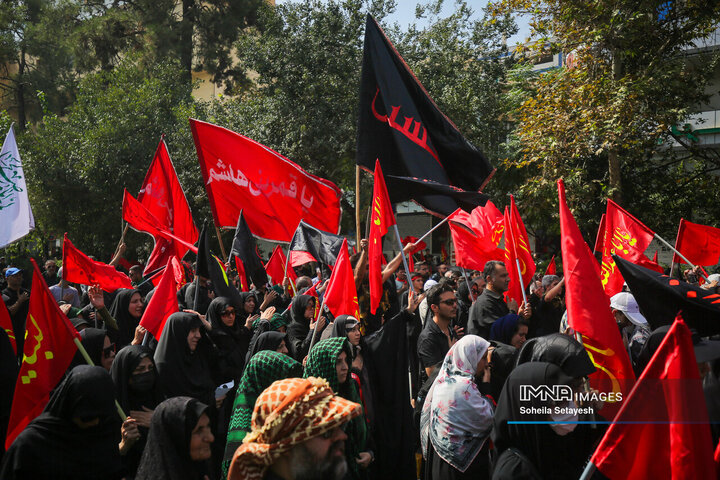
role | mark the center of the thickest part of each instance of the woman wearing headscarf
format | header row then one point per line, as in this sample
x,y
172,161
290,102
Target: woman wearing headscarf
x,y
126,309
527,450
230,339
137,390
300,330
457,419
76,437
511,330
262,370
249,307
561,350
182,359
178,446
330,359
98,347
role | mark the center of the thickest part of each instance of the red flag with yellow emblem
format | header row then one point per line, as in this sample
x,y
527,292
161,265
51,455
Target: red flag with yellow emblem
x,y
381,218
626,237
49,349
517,251
589,313
341,295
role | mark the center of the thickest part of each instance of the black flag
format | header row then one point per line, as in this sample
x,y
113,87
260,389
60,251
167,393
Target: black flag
x,y
400,125
245,249
323,247
433,190
209,266
661,298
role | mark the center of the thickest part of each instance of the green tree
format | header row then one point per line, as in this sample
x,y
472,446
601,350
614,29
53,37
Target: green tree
x,y
606,123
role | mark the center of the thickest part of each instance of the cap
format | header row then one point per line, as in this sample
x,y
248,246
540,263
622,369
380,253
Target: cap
x,y
12,271
625,302
429,284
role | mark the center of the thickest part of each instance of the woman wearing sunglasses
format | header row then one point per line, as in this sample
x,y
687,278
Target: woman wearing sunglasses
x,y
98,346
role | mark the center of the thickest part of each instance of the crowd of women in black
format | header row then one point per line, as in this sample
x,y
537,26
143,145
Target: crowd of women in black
x,y
189,396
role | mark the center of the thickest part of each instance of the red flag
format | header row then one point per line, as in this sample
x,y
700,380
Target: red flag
x,y
49,349
662,430
698,243
410,239
551,268
471,251
517,247
485,221
381,218
588,310
655,257
275,192
6,324
626,237
341,295
78,268
164,301
143,220
162,195
275,267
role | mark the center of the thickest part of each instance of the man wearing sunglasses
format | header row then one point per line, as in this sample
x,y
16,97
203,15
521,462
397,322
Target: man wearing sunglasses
x,y
438,336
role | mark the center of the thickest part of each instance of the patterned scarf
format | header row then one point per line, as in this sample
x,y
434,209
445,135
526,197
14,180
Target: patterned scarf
x,y
286,414
264,368
321,363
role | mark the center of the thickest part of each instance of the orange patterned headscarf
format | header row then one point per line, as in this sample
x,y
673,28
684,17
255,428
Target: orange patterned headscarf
x,y
288,413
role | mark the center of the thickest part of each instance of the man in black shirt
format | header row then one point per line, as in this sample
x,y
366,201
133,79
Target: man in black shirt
x,y
16,300
491,304
437,337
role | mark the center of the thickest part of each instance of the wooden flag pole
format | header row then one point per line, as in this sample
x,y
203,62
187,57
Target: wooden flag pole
x,y
89,361
222,247
357,206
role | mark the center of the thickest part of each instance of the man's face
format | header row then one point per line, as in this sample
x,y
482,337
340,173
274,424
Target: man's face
x,y
478,286
14,281
500,279
442,268
135,275
423,270
447,306
321,457
51,268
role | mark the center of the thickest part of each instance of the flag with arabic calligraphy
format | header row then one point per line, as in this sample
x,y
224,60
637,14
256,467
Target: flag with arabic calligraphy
x,y
240,173
49,349
517,250
588,310
661,298
471,251
381,218
626,237
16,215
162,195
401,125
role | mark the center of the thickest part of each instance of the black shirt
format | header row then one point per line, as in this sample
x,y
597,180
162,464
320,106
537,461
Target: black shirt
x,y
10,297
433,344
488,308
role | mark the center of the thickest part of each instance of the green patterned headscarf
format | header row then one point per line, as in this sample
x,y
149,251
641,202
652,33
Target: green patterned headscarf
x,y
277,321
321,363
264,368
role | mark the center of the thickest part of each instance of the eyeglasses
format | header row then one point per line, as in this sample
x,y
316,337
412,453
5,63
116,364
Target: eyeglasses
x,y
450,301
107,351
227,313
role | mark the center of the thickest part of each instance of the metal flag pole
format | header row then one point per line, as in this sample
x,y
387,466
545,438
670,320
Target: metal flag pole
x,y
522,285
433,229
402,253
679,255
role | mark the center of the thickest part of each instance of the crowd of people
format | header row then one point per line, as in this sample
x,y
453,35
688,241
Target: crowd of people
x,y
268,386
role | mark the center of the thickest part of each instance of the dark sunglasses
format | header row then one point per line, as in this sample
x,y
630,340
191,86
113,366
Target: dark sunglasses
x,y
107,351
228,313
450,302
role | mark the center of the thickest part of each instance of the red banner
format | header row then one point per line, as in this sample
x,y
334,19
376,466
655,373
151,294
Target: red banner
x,y
341,297
6,324
49,349
471,251
381,218
626,237
517,250
589,313
700,244
79,268
276,193
162,195
164,301
551,268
